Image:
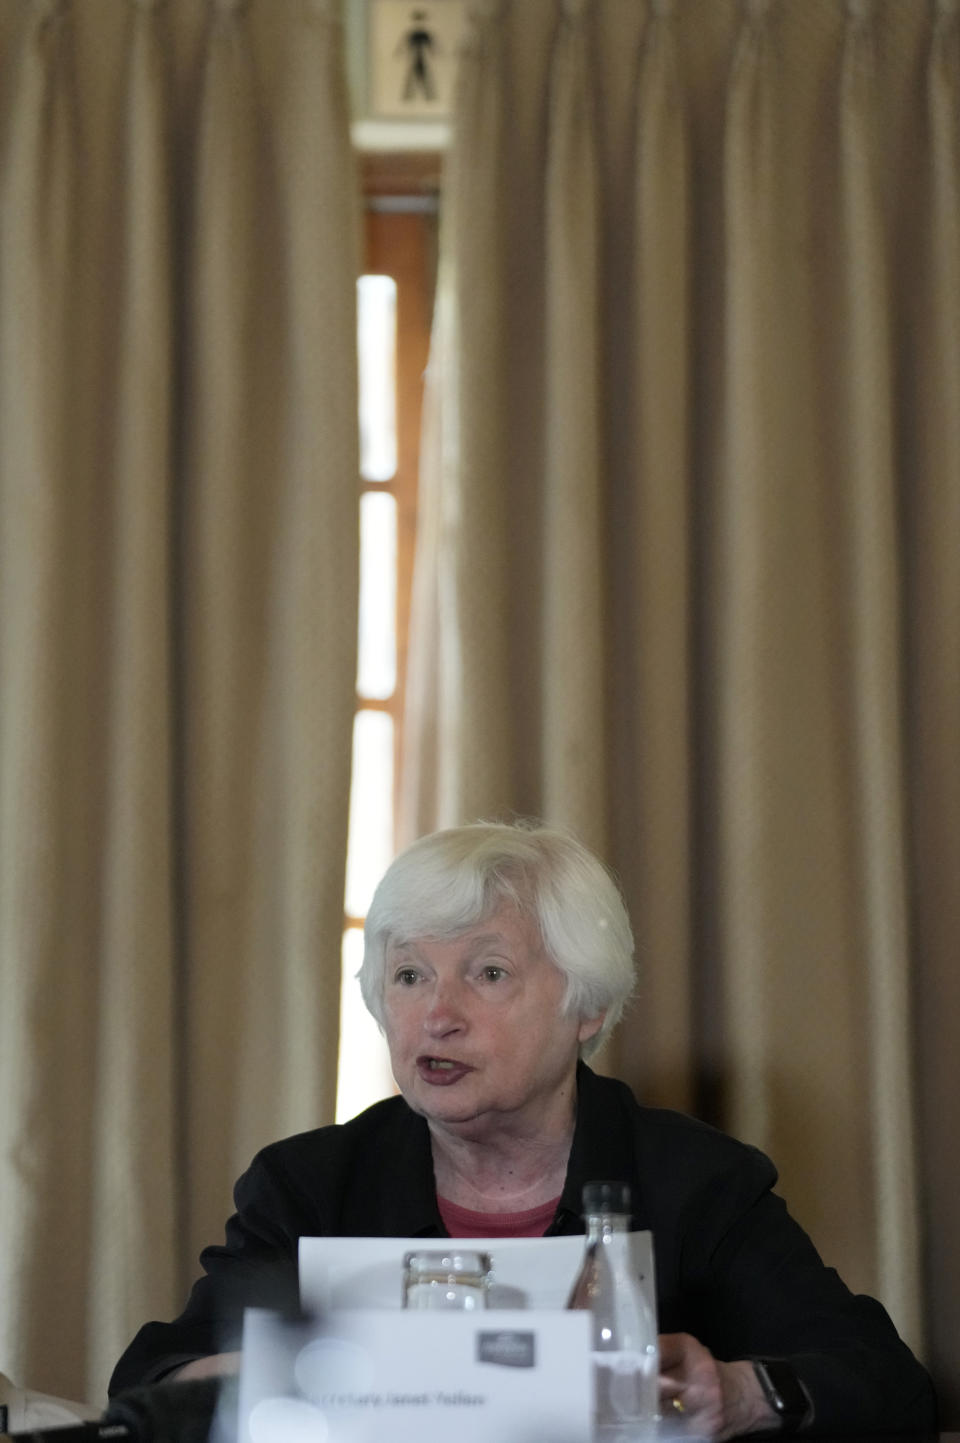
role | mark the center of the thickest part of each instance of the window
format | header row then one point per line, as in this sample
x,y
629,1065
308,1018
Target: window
x,y
394,303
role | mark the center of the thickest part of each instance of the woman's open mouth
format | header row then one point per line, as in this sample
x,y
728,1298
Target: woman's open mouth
x,y
441,1071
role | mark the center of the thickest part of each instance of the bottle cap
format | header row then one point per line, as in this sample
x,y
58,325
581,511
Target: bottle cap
x,y
606,1197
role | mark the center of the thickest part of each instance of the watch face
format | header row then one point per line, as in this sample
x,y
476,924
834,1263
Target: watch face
x,y
785,1393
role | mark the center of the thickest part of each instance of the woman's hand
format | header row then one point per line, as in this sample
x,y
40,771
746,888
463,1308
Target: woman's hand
x,y
209,1367
717,1400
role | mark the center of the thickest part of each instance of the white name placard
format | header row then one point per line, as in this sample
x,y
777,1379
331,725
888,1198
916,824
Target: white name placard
x,y
359,1376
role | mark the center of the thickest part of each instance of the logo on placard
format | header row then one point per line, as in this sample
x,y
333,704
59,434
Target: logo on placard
x,y
509,1349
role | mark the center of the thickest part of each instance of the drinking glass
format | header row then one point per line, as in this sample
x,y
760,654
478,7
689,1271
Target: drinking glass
x,y
451,1279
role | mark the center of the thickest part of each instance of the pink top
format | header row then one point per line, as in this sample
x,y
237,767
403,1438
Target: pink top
x,y
462,1223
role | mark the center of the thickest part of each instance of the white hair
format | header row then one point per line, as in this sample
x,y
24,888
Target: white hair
x,y
451,880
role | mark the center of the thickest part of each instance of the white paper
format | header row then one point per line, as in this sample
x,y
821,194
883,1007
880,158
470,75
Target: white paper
x,y
361,1376
527,1272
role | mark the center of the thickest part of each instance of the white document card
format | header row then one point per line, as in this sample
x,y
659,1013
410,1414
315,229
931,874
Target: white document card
x,y
494,1376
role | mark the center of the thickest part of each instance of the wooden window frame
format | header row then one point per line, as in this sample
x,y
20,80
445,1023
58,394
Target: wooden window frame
x,y
401,192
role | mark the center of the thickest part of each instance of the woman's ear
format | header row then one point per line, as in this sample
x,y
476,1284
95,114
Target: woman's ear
x,y
589,1027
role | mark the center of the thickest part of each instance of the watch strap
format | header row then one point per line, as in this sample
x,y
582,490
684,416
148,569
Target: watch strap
x,y
784,1392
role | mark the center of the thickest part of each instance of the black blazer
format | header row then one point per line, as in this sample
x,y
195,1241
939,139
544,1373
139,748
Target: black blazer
x,y
732,1267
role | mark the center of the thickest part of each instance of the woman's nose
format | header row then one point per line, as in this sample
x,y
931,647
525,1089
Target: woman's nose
x,y
445,1013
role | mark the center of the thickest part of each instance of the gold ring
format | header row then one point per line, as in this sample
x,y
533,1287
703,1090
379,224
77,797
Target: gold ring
x,y
677,1405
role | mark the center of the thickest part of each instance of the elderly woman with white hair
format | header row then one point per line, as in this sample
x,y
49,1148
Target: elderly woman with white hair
x,y
497,958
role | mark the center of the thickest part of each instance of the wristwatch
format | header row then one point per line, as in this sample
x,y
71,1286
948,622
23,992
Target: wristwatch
x,y
784,1392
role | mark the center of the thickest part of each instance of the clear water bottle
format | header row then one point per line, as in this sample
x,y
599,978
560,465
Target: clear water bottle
x,y
625,1353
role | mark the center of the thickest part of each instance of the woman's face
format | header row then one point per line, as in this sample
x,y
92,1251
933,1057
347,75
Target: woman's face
x,y
476,1036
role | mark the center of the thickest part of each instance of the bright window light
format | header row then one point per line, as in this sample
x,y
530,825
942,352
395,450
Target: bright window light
x,y
377,657
370,847
377,356
364,1074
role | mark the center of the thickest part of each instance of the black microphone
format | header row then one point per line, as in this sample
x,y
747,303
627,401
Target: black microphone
x,y
157,1413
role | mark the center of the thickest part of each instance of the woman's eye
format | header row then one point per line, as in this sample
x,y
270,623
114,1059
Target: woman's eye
x,y
493,973
406,976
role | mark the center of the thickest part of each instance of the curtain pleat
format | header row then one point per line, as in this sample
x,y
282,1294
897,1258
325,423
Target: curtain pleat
x,y
934,687
316,577
574,623
44,1124
227,529
134,1217
746,544
425,737
876,695
655,841
459,702
474,764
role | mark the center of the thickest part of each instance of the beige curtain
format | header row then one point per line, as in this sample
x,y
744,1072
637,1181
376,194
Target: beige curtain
x,y
177,637
689,583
